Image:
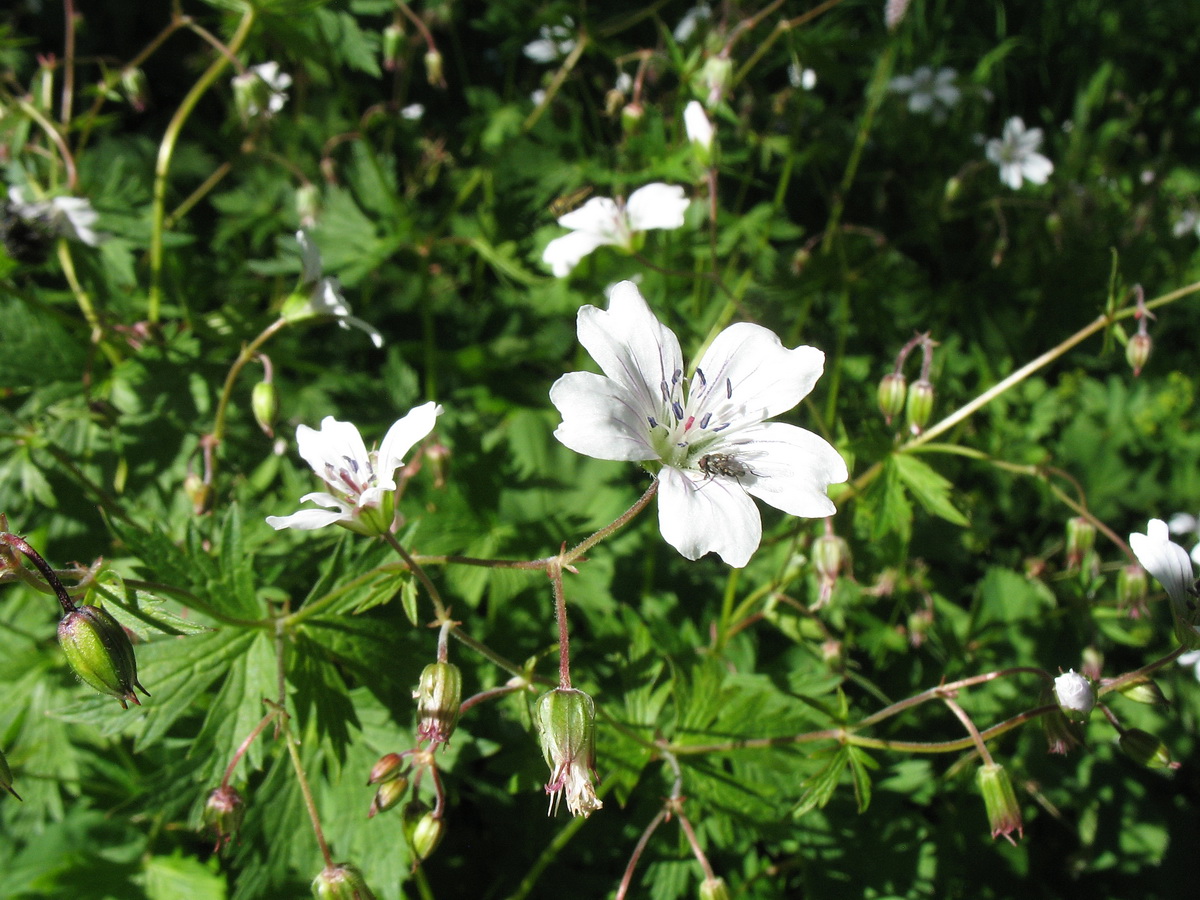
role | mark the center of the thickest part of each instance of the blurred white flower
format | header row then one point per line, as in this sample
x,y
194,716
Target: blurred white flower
x,y
604,221
928,91
1188,221
893,13
538,97
321,296
1189,526
69,217
413,112
362,483
261,90
706,437
1171,565
699,129
799,77
1016,155
1192,658
556,41
624,83
693,17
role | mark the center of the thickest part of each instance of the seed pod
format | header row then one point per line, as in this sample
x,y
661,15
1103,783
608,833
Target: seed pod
x,y
438,696
264,401
224,813
388,795
99,650
1004,815
893,389
1137,352
341,882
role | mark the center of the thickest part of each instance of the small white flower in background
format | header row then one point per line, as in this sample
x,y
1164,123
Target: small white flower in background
x,y
1192,658
69,217
603,221
362,483
319,296
706,436
1016,155
700,130
928,91
799,77
556,41
538,97
1187,525
1171,565
692,18
413,112
261,90
1188,222
624,83
893,13
1075,694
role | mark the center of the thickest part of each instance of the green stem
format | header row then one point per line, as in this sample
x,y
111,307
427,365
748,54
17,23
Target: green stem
x,y
248,353
309,803
166,151
565,559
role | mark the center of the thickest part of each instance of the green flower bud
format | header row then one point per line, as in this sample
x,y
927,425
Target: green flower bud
x,y
631,118
830,554
893,389
1081,538
99,650
438,696
712,81
566,723
341,882
386,769
1133,588
714,889
264,401
198,492
427,832
1143,747
433,69
920,405
1137,352
1143,690
6,776
393,39
308,203
1075,695
952,189
1004,815
135,87
224,812
388,795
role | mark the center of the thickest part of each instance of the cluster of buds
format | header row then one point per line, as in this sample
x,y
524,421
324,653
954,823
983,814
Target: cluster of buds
x,y
566,723
392,778
895,395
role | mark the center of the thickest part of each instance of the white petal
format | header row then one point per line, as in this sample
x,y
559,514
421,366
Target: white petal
x,y
371,331
793,468
600,216
401,438
310,258
1182,523
338,445
630,345
1010,174
307,519
601,418
699,128
760,376
1036,168
703,515
564,253
1166,561
656,205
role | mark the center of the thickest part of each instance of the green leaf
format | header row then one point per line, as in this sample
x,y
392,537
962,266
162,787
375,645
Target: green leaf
x,y
172,877
819,788
931,489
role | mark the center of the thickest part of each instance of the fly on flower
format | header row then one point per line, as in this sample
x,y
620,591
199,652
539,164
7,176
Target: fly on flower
x,y
705,437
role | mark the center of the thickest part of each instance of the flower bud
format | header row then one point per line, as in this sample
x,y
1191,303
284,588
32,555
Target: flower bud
x,y
1081,538
893,390
438,696
393,39
99,650
1143,747
631,118
6,776
952,189
308,203
1075,695
1061,736
135,87
425,835
433,69
1004,815
198,492
251,95
224,812
830,555
1133,588
341,882
920,405
264,401
566,723
386,769
1137,351
388,795
700,132
714,888
1144,690
714,77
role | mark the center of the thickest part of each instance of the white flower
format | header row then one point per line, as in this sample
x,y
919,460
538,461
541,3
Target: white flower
x,y
1016,155
413,112
799,77
604,221
261,90
1171,565
624,83
928,92
699,129
362,483
1187,525
1192,658
69,217
318,296
1075,695
705,436
556,41
1188,222
693,17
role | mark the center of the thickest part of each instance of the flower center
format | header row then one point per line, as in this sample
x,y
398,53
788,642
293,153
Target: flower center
x,y
354,476
694,415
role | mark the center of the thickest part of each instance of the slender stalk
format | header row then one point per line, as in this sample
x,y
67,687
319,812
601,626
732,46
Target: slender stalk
x,y
438,606
560,614
309,803
638,849
565,559
20,544
971,730
245,745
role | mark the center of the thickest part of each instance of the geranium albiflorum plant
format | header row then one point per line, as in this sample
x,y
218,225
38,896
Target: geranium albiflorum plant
x,y
1171,565
705,437
362,483
1015,153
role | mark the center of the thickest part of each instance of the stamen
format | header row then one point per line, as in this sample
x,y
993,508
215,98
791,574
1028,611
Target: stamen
x,y
720,428
728,389
675,377
689,422
704,421
651,420
662,385
352,463
703,380
677,408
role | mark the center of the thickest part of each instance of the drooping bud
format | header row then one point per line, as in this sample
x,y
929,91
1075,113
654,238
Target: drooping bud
x,y
426,833
1061,736
830,555
388,795
393,38
1137,351
566,723
1144,690
433,69
438,696
713,79
224,813
700,132
893,390
308,204
1081,538
341,882
714,888
920,405
198,492
1004,815
6,776
264,401
99,651
1144,748
135,87
1133,587
1075,695
386,769
631,118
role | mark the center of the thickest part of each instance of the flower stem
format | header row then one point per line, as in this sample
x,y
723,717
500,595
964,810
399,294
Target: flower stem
x,y
20,544
565,559
245,745
309,803
560,614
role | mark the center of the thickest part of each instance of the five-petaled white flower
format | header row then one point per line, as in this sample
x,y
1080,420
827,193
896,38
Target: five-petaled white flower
x,y
362,484
1171,565
604,221
1016,155
928,91
320,296
555,42
261,90
69,217
705,436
